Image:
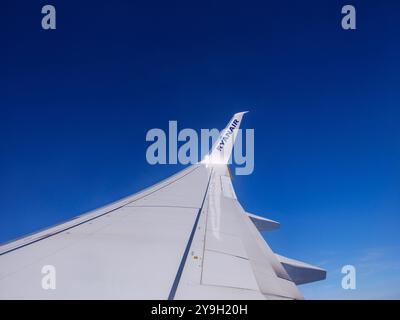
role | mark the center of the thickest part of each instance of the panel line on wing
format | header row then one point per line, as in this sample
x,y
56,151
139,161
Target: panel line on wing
x,y
226,253
161,206
189,244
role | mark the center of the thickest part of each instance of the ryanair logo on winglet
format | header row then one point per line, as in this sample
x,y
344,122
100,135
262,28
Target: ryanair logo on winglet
x,y
227,135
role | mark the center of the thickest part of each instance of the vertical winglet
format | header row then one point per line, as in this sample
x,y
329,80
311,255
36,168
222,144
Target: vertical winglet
x,y
222,149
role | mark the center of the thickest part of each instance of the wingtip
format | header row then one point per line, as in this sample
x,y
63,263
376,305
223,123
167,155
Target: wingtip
x,y
241,113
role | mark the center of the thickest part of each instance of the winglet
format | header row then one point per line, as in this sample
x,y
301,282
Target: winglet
x,y
222,149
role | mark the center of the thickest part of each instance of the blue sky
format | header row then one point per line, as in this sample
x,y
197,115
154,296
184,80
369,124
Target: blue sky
x,y
76,103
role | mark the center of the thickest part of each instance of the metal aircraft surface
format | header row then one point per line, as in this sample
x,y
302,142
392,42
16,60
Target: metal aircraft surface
x,y
186,237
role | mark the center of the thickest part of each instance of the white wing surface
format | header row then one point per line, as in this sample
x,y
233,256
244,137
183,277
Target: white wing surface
x,y
187,237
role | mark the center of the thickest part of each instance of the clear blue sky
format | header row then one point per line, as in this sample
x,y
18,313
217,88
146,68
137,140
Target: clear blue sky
x,y
76,103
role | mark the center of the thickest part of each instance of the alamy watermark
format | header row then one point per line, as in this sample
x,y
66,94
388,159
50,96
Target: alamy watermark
x,y
49,277
187,146
348,21
349,280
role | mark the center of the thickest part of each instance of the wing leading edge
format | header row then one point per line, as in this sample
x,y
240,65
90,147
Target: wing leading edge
x,y
187,237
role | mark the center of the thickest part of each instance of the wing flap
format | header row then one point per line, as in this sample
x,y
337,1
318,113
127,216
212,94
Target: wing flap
x,y
263,224
226,270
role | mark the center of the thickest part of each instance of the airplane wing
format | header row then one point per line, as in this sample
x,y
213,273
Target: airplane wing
x,y
187,237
